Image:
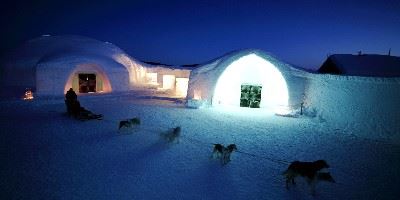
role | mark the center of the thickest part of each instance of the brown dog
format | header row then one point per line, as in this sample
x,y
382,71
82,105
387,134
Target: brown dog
x,y
308,170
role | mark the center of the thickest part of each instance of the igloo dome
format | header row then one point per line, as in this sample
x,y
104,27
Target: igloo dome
x,y
50,65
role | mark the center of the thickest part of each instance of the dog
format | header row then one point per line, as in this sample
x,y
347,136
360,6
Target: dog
x,y
172,135
217,151
308,170
223,153
129,123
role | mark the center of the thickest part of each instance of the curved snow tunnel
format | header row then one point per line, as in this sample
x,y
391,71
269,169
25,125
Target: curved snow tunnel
x,y
248,74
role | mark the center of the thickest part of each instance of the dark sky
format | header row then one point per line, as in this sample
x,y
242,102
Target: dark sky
x,y
188,32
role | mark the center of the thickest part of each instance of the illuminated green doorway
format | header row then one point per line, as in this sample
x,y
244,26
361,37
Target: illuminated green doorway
x,y
250,96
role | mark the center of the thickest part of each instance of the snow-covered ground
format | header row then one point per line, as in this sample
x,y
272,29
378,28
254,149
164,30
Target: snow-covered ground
x,y
47,155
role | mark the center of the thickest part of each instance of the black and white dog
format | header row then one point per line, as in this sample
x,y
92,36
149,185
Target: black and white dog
x,y
172,135
310,171
129,123
223,153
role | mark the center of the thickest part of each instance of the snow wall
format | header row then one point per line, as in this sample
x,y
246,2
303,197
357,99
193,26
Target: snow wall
x,y
368,107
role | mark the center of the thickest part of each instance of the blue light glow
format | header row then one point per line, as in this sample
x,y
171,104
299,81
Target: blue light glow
x,y
254,70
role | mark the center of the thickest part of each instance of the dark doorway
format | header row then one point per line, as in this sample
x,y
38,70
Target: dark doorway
x,y
250,96
87,83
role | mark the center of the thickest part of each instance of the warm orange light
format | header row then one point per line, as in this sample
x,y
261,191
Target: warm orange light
x,y
151,78
28,95
197,95
168,82
181,86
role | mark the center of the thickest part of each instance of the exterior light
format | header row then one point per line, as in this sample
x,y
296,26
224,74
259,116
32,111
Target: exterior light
x,y
28,94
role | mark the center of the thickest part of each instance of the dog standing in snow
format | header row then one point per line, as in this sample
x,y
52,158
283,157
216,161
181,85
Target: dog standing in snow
x,y
129,123
223,153
308,170
172,135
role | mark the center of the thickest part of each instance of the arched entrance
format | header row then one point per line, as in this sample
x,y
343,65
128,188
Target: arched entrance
x,y
88,78
251,81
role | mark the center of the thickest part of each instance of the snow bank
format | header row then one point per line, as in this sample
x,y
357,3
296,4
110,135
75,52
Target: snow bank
x,y
364,106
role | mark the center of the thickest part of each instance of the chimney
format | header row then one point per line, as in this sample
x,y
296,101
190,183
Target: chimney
x,y
390,49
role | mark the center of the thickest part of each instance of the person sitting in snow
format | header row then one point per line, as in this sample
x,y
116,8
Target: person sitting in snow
x,y
75,109
73,105
70,100
71,95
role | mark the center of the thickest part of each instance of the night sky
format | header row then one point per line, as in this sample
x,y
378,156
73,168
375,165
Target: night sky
x,y
302,33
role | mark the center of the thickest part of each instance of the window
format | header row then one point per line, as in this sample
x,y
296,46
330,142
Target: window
x,y
151,78
168,82
182,86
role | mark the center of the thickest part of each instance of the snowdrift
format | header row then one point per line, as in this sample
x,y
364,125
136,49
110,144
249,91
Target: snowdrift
x,y
343,102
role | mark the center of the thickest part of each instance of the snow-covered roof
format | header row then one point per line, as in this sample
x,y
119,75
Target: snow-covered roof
x,y
63,53
70,59
362,65
58,45
233,55
214,62
151,64
46,48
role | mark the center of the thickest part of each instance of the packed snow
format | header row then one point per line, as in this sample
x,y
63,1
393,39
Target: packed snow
x,y
49,155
